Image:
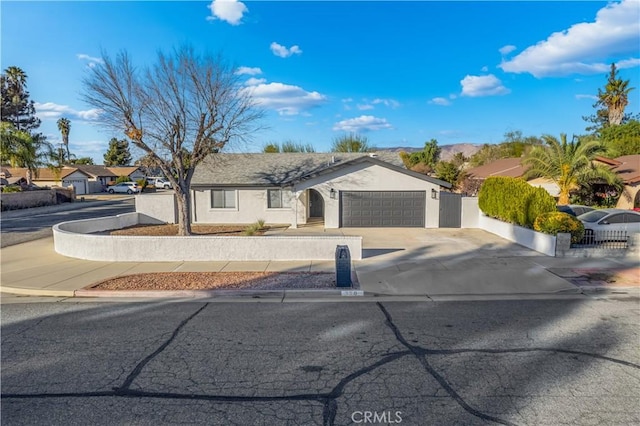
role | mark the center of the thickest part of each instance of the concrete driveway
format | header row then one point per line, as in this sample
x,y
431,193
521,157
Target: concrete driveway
x,y
446,262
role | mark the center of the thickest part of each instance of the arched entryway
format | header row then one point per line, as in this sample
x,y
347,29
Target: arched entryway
x,y
316,207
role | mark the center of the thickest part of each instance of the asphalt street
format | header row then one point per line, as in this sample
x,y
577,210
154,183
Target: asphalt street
x,y
31,226
499,362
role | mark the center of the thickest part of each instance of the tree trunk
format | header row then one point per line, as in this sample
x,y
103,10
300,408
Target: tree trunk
x,y
29,176
563,200
184,209
615,116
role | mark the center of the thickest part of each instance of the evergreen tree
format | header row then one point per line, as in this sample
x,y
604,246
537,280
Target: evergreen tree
x,y
16,108
118,153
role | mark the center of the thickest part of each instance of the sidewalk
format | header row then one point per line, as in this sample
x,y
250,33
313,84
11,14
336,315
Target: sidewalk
x,y
34,268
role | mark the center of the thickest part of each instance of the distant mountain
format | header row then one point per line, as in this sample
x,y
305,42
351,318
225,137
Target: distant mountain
x,y
447,153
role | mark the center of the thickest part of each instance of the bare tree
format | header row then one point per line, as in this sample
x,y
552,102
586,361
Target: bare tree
x,y
180,110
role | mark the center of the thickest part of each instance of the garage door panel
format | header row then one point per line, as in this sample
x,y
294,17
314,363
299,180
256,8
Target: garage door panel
x,y
382,208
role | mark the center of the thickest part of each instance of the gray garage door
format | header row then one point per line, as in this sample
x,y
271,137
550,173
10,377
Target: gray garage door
x,y
382,209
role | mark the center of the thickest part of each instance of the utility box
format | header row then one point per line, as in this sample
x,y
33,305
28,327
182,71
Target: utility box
x,y
343,266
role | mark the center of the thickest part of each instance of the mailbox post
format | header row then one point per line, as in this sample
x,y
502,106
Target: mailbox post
x,y
343,266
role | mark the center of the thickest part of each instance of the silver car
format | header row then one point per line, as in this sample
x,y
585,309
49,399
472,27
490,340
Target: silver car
x,y
124,188
610,224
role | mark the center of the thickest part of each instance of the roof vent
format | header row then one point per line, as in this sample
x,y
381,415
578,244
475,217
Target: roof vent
x,y
373,155
333,159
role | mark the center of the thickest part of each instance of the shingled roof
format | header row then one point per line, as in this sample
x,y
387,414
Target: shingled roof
x,y
285,168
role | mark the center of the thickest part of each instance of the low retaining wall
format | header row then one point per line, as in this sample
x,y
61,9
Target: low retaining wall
x,y
77,239
37,198
543,243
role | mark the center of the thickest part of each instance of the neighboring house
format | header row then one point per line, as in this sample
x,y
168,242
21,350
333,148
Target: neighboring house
x,y
134,173
338,189
628,168
511,167
45,177
99,177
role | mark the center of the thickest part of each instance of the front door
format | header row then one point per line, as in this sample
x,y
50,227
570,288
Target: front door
x,y
316,204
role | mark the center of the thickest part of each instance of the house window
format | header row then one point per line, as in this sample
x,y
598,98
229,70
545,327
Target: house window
x,y
223,199
277,199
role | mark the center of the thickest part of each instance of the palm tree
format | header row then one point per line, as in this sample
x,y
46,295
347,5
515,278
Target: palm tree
x,y
568,164
614,97
64,125
20,149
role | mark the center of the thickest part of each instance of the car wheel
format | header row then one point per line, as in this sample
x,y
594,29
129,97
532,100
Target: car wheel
x,y
166,187
129,191
111,191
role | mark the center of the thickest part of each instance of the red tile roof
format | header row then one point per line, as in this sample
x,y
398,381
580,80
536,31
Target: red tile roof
x,y
503,167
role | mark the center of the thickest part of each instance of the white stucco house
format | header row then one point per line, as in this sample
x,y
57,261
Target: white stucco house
x,y
336,189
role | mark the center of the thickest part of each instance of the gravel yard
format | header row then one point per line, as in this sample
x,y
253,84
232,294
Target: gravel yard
x,y
219,280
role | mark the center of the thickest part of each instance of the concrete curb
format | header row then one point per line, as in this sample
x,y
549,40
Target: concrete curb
x,y
37,292
311,295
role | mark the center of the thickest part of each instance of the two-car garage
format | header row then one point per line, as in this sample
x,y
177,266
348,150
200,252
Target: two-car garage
x,y
382,209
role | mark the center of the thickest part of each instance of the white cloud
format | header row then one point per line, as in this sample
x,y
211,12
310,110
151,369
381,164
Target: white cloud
x,y
505,50
284,98
592,97
391,103
230,11
248,71
50,110
364,123
364,107
584,48
255,81
347,100
484,69
453,96
92,61
482,85
440,101
283,52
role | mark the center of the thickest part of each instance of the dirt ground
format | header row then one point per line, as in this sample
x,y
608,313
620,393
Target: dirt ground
x,y
172,229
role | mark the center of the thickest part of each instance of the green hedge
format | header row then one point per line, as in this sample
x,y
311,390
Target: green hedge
x,y
514,200
554,222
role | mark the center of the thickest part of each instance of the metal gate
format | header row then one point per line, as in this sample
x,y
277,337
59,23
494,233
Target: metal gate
x,y
450,210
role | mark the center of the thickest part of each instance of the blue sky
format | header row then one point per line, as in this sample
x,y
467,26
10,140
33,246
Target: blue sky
x,y
400,73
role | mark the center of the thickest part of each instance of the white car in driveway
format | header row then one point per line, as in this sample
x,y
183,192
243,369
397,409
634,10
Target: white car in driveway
x,y
124,188
159,182
610,224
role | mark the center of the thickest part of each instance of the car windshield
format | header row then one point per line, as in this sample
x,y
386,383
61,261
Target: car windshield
x,y
592,216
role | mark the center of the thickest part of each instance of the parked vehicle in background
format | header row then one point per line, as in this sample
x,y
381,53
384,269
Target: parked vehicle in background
x,y
124,188
159,182
610,224
574,209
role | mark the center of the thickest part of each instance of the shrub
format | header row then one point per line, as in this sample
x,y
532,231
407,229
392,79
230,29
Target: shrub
x,y
260,223
251,230
11,188
121,179
142,183
555,222
513,200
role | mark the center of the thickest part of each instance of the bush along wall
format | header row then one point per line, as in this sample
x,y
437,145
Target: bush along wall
x,y
513,200
554,222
